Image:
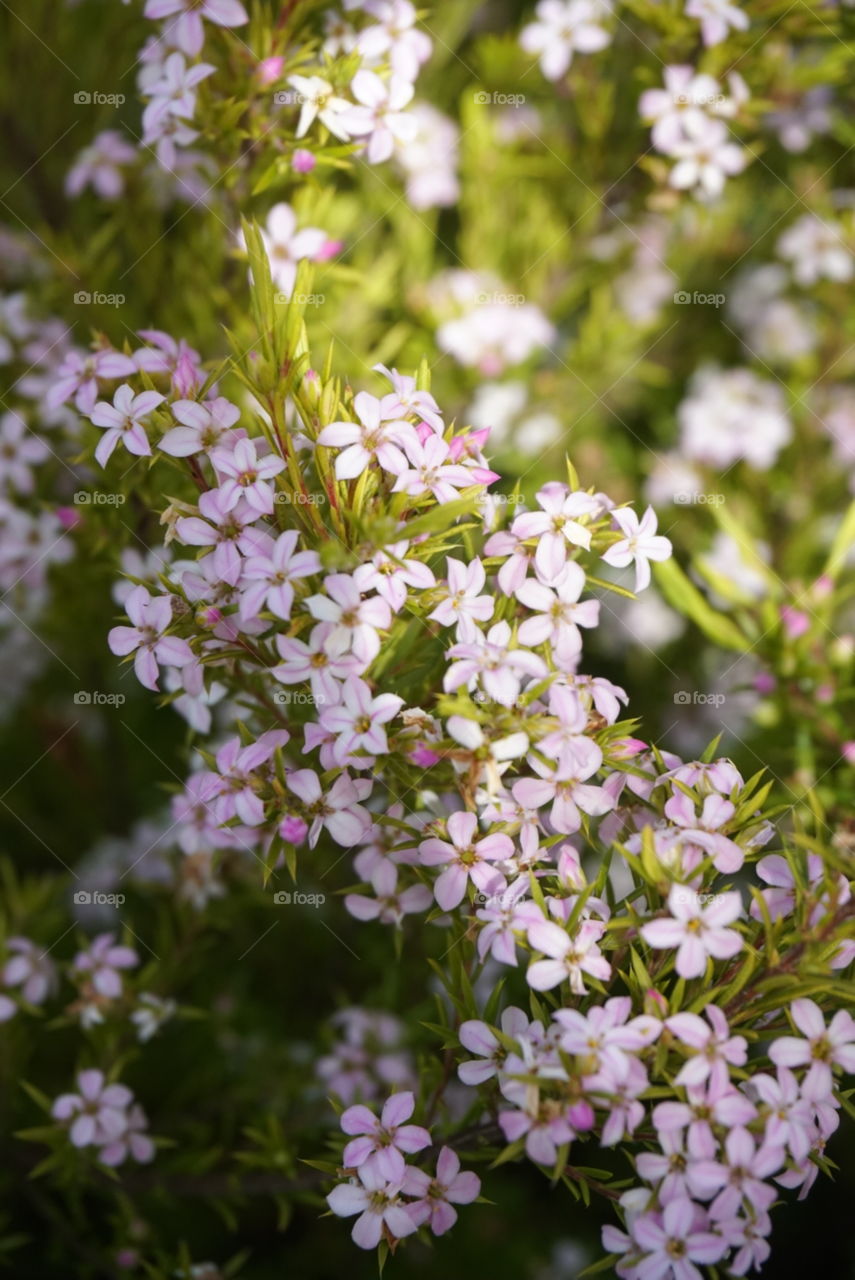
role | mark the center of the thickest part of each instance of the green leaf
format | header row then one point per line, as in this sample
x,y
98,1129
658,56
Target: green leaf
x,y
685,597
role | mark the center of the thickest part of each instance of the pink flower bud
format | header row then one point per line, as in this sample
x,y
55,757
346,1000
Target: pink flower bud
x,y
269,70
293,829
68,517
329,250
303,161
423,756
630,747
185,379
796,623
581,1116
655,1004
848,752
765,683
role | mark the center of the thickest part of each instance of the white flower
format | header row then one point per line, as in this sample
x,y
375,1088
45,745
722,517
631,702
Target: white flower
x,y
318,101
733,415
286,246
564,27
640,545
717,18
817,250
705,158
380,118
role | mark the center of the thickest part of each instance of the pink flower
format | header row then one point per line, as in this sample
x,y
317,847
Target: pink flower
x,y
714,1045
788,1116
103,960
640,544
234,786
703,831
479,1039
131,1141
246,475
270,576
165,355
97,1112
378,1204
696,930
338,809
557,612
356,622
464,604
603,1035
372,439
565,787
405,400
544,1132
465,859
821,1049
556,525
203,426
740,1177
569,957
619,1086
358,720
434,470
437,1196
490,659
500,923
390,905
226,530
323,661
380,1145
145,639
393,572
286,246
187,31
99,166
78,376
716,1102
30,968
673,1243
123,420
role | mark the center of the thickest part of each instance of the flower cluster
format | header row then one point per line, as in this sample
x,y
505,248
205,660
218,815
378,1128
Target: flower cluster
x,y
473,793
393,1198
104,1116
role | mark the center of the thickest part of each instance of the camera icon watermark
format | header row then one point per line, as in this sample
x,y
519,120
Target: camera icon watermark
x,y
95,898
302,299
687,499
83,98
85,299
704,899
283,898
95,698
693,697
98,498
685,299
301,499
497,299
483,99
289,98
299,697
